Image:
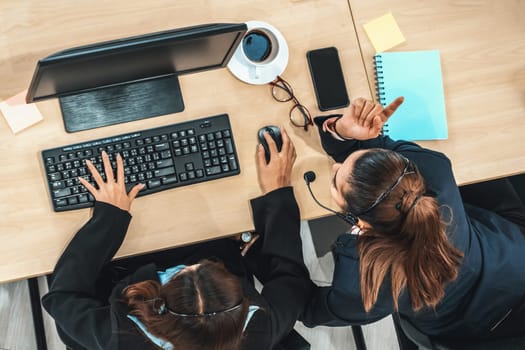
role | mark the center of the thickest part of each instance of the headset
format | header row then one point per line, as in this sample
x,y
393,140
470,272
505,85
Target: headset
x,y
347,217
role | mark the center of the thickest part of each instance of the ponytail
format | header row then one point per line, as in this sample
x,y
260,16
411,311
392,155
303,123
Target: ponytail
x,y
431,260
407,238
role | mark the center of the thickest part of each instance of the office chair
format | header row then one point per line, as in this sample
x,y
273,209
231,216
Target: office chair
x,y
411,338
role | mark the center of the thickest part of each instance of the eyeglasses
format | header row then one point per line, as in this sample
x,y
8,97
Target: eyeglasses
x,y
299,114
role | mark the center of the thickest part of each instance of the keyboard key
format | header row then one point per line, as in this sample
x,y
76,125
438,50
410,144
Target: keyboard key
x,y
228,145
56,185
72,200
161,147
83,198
153,183
63,192
164,172
55,176
232,162
166,180
183,177
61,202
213,170
164,163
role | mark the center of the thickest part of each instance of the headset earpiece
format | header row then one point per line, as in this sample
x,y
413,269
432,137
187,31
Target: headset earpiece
x,y
351,219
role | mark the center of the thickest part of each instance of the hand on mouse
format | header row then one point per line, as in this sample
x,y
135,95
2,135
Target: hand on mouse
x,y
111,191
278,172
362,120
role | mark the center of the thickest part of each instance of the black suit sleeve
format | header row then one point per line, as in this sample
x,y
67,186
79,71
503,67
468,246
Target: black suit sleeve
x,y
339,150
72,300
288,285
341,304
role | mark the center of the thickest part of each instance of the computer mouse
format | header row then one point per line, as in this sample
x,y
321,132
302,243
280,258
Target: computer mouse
x,y
275,133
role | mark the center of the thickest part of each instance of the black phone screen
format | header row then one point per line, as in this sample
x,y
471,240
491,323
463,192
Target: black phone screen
x,y
327,76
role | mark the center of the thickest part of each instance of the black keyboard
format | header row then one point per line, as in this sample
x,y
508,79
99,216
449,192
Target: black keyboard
x,y
162,158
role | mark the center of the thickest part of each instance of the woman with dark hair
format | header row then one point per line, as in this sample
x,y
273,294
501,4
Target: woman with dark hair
x,y
452,266
196,297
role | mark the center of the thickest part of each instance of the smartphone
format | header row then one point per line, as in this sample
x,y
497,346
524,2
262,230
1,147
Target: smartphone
x,y
328,79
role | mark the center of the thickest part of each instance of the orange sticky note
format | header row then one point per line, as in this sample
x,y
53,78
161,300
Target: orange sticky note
x,y
384,33
18,114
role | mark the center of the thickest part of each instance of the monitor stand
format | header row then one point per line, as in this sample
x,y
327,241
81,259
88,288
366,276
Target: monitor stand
x,y
121,103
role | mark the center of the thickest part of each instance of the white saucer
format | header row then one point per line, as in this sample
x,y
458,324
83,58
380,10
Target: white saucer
x,y
259,74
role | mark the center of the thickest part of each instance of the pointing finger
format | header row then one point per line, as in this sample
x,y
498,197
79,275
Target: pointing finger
x,y
391,108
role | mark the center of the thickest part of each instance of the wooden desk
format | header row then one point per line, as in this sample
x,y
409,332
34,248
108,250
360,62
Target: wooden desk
x,y
33,236
482,45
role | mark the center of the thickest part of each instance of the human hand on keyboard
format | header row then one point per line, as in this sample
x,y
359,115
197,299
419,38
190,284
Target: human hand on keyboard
x,y
111,191
278,172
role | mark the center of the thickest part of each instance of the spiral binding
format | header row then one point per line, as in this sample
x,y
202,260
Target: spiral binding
x,y
378,65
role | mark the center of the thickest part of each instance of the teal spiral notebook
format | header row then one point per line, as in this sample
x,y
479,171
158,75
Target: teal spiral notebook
x,y
417,76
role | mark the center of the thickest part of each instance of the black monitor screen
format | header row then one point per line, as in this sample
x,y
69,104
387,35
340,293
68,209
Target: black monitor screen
x,y
149,56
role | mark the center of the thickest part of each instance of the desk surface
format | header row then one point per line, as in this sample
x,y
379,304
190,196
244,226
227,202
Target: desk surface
x,y
33,236
482,46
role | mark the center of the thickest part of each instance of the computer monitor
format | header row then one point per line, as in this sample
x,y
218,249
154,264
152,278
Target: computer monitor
x,y
133,78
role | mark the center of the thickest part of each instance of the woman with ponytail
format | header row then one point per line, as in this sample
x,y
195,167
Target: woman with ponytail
x,y
196,297
452,266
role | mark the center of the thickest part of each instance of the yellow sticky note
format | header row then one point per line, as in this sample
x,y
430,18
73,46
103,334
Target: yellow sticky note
x,y
384,33
18,114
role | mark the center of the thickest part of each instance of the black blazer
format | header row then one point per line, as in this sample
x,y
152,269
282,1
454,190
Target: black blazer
x,y
491,277
85,320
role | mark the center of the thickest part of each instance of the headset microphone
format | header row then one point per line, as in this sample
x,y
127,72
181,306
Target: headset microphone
x,y
348,217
